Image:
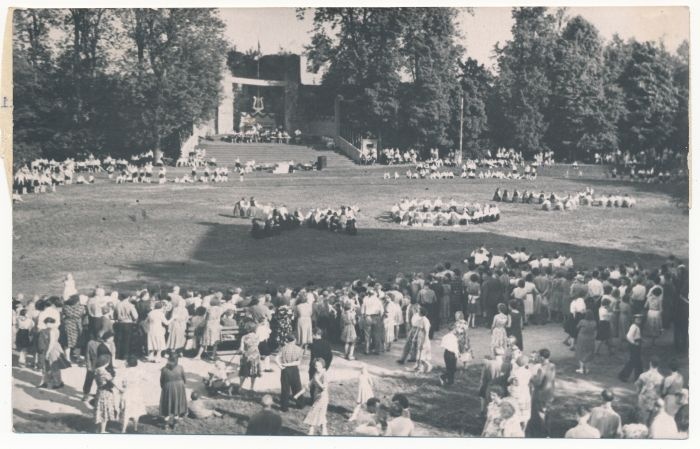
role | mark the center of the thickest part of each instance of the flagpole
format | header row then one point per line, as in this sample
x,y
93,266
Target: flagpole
x,y
461,128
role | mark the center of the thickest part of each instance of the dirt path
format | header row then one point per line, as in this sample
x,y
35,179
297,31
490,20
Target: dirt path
x,y
457,413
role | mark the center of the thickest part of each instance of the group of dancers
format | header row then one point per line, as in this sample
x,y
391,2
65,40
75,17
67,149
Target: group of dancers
x,y
268,219
195,158
414,212
568,202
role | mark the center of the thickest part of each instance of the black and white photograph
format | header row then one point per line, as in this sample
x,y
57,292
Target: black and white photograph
x,y
357,221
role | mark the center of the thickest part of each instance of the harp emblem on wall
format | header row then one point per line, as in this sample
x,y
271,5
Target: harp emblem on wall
x,y
258,105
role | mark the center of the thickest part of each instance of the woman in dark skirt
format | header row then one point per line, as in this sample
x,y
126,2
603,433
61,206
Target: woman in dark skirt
x,y
173,398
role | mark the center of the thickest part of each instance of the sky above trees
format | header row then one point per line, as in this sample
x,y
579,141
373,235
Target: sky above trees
x,y
246,26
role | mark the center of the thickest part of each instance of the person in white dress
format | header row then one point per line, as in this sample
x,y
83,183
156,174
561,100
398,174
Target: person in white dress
x,y
364,390
131,404
69,287
156,324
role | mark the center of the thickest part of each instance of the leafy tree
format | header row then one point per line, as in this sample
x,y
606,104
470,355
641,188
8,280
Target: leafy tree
x,y
359,50
524,85
680,137
475,82
580,122
651,99
173,71
431,55
34,97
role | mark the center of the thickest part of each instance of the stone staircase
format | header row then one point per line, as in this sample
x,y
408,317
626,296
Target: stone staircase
x,y
262,153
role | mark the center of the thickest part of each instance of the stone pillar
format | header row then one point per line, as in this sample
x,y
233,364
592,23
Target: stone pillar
x,y
224,118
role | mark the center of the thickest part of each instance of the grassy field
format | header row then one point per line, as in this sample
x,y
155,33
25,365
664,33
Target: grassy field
x,y
127,237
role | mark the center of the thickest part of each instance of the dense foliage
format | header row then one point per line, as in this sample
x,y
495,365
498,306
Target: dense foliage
x,y
124,81
114,82
558,86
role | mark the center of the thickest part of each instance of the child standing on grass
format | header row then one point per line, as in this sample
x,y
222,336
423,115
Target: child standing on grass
x,y
349,334
364,390
131,403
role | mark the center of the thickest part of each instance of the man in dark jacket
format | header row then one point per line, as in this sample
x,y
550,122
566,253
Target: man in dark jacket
x,y
491,296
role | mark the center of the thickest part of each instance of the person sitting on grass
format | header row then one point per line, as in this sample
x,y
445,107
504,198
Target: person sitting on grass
x,y
218,380
368,423
198,408
401,424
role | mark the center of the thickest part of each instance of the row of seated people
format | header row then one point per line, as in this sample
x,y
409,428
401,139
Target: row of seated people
x,y
215,175
436,213
568,202
257,134
251,166
519,257
394,156
527,174
649,174
43,180
551,202
424,173
465,174
111,165
588,198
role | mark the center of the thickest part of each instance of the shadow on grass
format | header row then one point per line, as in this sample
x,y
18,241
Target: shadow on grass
x,y
227,255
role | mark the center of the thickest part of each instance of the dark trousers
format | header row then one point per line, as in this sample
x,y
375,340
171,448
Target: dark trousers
x,y
372,329
450,367
291,385
89,379
680,335
433,314
94,326
123,339
634,364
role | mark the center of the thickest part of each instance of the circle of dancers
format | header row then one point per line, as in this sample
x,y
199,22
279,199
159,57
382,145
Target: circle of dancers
x,y
415,212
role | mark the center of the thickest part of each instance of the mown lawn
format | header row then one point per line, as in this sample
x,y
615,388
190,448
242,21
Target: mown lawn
x,y
129,236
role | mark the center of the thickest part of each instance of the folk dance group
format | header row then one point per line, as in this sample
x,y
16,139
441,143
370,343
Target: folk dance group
x,y
268,219
210,173
394,156
469,170
414,212
43,175
568,202
195,158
